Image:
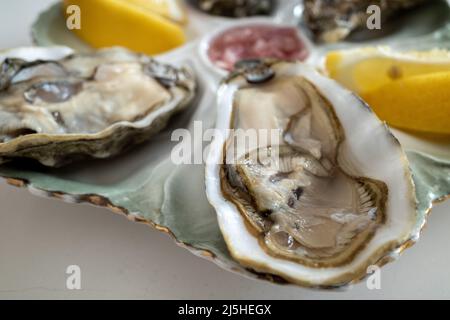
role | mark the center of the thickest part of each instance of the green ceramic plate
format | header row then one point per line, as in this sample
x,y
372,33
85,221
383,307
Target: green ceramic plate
x,y
147,187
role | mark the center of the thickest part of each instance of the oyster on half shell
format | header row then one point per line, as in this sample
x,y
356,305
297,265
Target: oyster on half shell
x,y
335,20
321,200
57,105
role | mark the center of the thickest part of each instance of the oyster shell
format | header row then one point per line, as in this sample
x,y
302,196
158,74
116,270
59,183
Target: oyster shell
x,y
334,20
236,8
56,106
322,199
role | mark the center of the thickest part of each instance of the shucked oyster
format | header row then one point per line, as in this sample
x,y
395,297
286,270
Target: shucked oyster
x,y
327,195
56,106
334,20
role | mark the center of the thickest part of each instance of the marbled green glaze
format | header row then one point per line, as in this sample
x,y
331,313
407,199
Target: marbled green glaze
x,y
431,177
174,197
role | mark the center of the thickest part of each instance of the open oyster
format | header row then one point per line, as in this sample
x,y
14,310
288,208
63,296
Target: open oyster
x,y
236,8
322,195
57,106
334,20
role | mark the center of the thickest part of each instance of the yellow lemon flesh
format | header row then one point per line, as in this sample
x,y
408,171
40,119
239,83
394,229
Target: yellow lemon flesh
x,y
419,103
106,23
363,70
408,90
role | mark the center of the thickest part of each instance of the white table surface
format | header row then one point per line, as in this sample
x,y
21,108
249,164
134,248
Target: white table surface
x,y
40,237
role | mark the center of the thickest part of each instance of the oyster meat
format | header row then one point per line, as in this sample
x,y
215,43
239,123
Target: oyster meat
x,y
56,106
334,20
323,193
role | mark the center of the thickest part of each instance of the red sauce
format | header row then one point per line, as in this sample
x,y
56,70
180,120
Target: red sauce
x,y
256,41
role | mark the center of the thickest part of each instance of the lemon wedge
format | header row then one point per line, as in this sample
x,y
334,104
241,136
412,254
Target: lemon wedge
x,y
365,69
148,26
418,103
408,90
